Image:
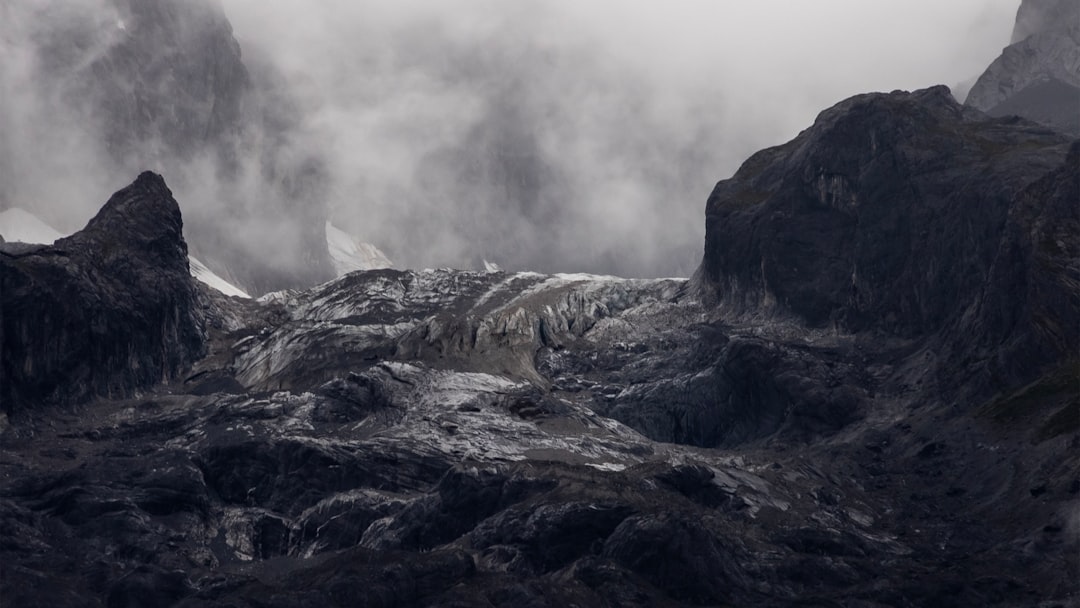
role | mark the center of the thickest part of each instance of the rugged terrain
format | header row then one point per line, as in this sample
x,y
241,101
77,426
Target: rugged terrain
x,y
867,396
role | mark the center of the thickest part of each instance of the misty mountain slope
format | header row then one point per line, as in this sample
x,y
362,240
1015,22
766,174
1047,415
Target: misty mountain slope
x,y
443,135
1038,75
513,155
101,89
760,435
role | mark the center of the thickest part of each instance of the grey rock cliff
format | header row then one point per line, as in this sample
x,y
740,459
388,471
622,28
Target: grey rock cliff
x,y
1038,75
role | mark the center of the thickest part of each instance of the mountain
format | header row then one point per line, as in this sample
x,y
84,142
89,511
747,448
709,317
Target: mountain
x,y
1038,75
349,254
105,312
899,213
19,225
123,85
865,396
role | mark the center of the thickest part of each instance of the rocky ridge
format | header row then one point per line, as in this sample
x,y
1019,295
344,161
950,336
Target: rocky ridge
x,y
901,213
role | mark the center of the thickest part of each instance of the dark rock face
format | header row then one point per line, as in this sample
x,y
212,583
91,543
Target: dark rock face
x,y
1024,319
1038,75
107,311
888,214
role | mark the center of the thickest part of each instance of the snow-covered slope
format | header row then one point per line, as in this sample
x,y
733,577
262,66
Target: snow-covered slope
x,y
349,254
207,276
20,225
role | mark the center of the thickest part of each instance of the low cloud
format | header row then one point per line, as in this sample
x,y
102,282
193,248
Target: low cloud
x,y
546,135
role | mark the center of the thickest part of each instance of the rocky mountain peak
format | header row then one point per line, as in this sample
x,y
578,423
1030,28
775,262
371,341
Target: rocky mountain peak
x,y
141,219
104,312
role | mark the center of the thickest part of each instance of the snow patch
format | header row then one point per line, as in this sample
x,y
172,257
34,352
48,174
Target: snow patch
x,y
610,467
22,226
208,277
348,254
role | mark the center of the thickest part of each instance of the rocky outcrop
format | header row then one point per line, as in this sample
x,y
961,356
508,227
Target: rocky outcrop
x,y
103,313
1038,75
887,214
1024,319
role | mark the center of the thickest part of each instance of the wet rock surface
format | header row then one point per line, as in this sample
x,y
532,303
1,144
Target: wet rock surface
x,y
759,435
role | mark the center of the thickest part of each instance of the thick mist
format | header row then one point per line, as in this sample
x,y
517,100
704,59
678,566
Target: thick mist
x,y
565,135
544,135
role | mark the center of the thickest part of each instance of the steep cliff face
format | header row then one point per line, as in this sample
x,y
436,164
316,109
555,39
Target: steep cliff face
x,y
1024,316
103,313
162,78
1037,16
888,213
1038,75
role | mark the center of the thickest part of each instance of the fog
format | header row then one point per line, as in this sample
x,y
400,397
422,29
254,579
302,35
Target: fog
x,y
563,135
548,135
